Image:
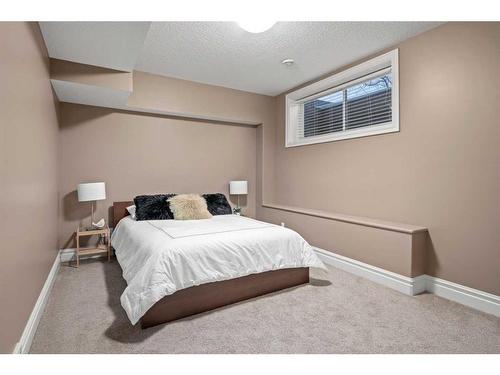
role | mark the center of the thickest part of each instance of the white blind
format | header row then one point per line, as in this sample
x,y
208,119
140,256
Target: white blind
x,y
365,102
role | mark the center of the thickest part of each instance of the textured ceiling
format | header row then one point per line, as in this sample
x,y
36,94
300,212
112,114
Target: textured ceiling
x,y
223,54
114,45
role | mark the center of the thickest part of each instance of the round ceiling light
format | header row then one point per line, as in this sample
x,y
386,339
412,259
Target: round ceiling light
x,y
256,26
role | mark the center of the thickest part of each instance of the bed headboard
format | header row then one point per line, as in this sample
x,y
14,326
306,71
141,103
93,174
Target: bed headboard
x,y
120,211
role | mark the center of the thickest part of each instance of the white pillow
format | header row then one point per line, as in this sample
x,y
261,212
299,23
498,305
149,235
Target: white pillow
x,y
131,211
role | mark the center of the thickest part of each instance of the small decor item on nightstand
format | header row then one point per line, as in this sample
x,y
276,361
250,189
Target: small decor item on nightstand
x,y
100,224
238,188
93,191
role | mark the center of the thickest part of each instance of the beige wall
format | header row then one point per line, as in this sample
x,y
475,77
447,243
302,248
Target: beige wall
x,y
176,95
441,171
141,154
28,176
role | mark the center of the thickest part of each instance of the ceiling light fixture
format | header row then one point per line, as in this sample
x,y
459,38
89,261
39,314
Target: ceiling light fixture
x,y
288,62
256,26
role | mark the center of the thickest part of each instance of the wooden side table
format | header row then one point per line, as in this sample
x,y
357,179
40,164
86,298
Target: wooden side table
x,y
101,248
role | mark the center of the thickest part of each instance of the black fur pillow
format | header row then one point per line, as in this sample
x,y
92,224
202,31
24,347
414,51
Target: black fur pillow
x,y
153,207
217,204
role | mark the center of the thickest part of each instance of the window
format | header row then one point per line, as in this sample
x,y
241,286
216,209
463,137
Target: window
x,y
357,102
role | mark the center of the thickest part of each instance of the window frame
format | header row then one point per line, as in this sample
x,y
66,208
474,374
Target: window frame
x,y
338,81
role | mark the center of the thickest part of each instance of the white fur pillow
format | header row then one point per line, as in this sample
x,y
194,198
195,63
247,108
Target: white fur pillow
x,y
189,207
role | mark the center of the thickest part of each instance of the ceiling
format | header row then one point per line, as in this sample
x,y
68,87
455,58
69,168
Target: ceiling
x,y
114,45
223,54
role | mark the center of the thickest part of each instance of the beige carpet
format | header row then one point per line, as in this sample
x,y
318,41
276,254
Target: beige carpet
x,y
336,313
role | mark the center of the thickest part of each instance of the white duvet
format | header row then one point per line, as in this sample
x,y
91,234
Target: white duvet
x,y
159,257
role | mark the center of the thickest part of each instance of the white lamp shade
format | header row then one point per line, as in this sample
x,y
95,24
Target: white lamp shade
x,y
238,187
93,191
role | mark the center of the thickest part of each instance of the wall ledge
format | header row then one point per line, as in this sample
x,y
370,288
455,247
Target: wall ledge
x,y
364,221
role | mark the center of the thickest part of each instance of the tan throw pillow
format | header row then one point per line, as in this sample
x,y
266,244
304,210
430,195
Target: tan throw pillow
x,y
189,207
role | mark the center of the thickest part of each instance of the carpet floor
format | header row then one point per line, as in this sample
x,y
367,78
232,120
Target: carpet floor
x,y
336,313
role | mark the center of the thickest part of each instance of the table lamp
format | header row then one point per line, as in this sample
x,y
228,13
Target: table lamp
x,y
238,188
91,192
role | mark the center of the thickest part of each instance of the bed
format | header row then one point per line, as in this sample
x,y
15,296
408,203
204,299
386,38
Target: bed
x,y
178,268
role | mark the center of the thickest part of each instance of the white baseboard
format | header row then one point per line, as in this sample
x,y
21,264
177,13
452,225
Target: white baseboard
x,y
404,284
479,300
69,255
24,344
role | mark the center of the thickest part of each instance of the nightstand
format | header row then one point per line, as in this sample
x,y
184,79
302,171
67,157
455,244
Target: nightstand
x,y
101,248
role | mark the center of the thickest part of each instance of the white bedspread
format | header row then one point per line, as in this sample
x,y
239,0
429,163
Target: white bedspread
x,y
159,257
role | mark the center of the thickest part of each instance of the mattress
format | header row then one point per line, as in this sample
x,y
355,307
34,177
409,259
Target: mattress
x,y
160,257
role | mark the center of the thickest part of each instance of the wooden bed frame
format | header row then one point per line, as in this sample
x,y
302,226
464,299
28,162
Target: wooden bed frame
x,y
205,297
